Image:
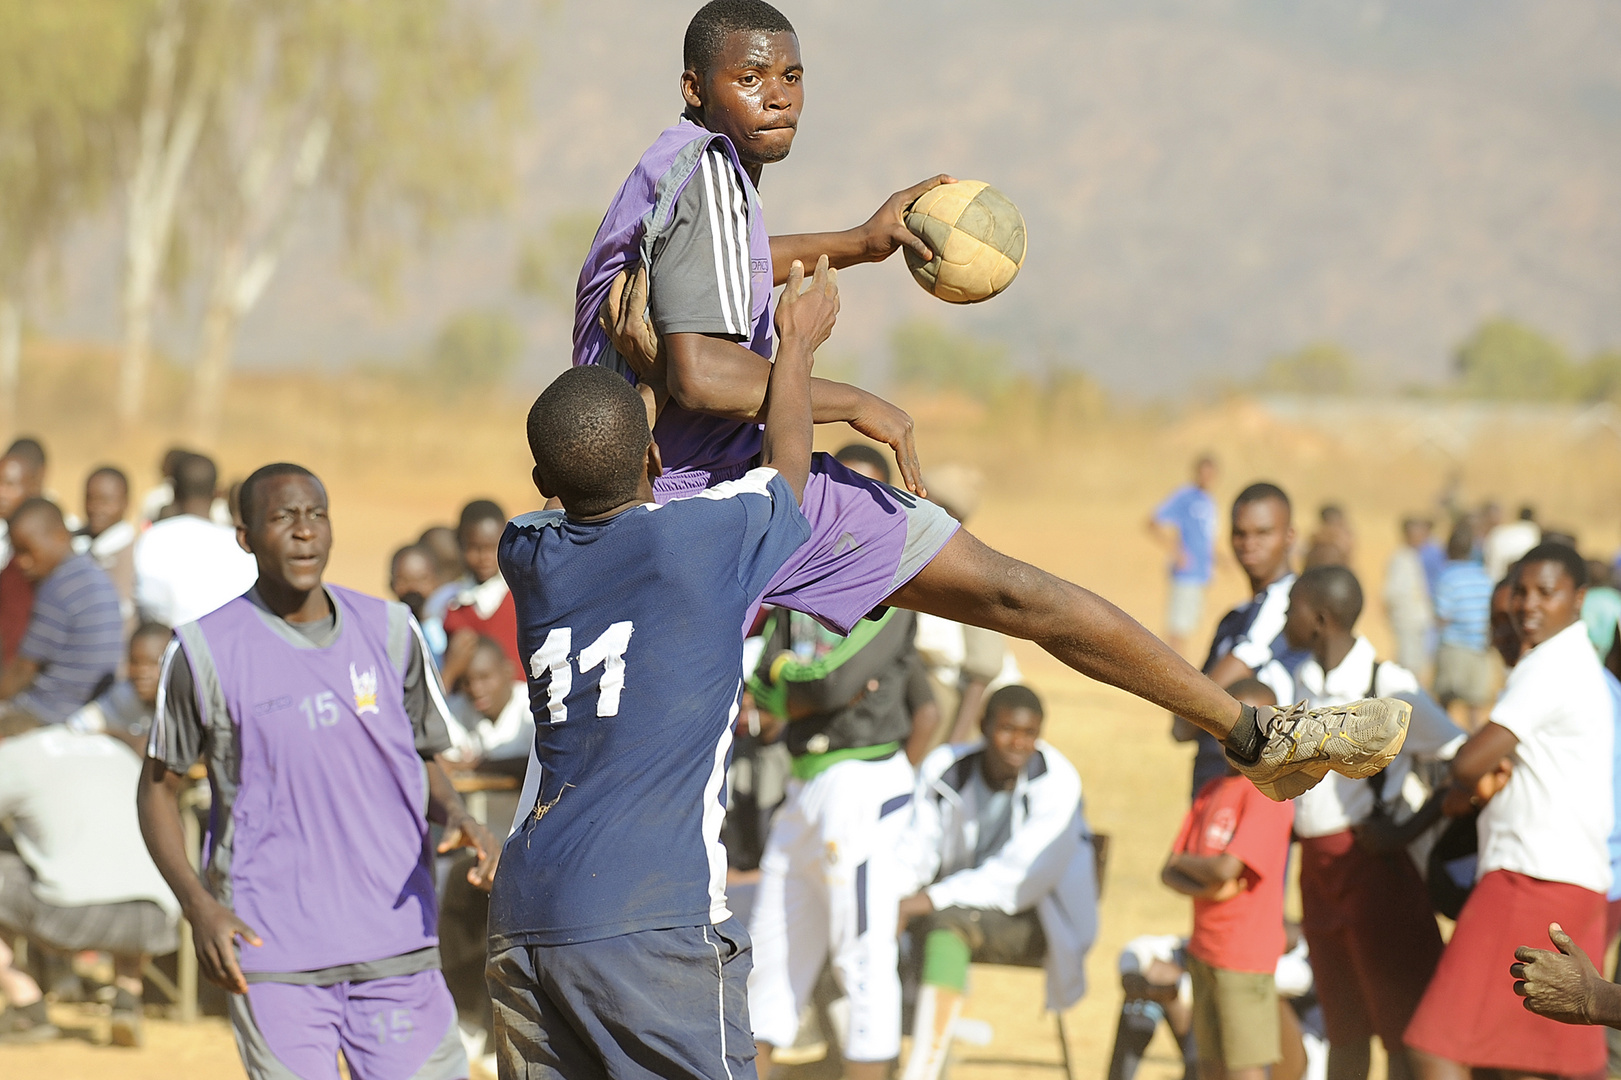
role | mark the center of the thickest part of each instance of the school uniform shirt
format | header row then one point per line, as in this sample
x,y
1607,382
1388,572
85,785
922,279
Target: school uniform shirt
x,y
486,609
1229,816
1338,803
634,624
1552,820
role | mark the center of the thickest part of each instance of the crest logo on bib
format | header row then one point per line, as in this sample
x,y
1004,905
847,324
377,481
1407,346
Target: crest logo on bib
x,y
365,687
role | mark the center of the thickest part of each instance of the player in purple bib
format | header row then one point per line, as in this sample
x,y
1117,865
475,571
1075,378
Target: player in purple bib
x,y
684,242
318,715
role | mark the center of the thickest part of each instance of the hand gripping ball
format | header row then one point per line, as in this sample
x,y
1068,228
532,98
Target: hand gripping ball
x,y
977,236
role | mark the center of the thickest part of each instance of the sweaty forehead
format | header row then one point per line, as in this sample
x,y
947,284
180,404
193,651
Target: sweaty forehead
x,y
758,49
285,492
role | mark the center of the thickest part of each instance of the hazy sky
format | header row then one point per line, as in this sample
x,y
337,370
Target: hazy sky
x,y
1205,183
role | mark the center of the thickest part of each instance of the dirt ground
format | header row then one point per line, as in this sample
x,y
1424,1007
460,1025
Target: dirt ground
x,y
1068,485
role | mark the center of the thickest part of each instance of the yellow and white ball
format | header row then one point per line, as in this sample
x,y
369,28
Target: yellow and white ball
x,y
977,236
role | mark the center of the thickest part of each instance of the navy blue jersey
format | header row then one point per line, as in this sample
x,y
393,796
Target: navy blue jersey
x,y
633,627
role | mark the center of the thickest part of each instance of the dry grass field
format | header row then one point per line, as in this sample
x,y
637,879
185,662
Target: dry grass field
x,y
1069,485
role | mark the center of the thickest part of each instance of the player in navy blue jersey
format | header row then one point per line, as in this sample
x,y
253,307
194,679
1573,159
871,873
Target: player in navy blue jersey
x,y
612,952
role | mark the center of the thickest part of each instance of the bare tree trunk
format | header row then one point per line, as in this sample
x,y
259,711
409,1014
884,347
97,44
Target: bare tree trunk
x,y
244,268
11,342
167,141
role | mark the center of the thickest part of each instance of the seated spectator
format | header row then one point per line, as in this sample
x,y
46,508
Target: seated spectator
x,y
125,711
20,480
1000,832
75,632
1543,839
496,725
81,878
413,577
484,607
1231,857
187,564
1463,667
106,536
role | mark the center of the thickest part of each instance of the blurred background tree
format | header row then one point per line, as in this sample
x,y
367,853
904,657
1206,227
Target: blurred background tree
x,y
1319,368
1506,360
62,76
926,355
549,263
475,349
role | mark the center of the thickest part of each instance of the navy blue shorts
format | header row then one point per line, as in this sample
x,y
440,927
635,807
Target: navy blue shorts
x,y
655,1004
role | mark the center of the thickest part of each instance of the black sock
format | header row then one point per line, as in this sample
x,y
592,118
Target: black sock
x,y
1245,741
1131,1038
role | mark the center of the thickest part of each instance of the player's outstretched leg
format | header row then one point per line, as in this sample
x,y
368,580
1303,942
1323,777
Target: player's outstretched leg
x,y
1293,749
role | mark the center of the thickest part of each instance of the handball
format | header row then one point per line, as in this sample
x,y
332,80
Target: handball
x,y
977,236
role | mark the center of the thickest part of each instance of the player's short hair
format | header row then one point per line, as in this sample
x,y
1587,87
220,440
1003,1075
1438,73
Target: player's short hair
x,y
862,454
195,477
1250,686
479,511
1261,491
1333,590
588,434
1012,697
28,450
151,629
1461,544
246,503
38,507
1553,552
708,30
111,471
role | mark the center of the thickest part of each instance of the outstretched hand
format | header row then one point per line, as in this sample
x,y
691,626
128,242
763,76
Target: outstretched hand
x,y
889,424
1561,985
464,830
885,232
806,314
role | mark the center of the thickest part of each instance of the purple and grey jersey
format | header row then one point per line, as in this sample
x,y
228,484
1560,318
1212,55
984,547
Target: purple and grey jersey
x,y
689,213
314,736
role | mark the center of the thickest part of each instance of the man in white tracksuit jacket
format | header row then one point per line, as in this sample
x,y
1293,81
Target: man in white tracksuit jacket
x,y
998,829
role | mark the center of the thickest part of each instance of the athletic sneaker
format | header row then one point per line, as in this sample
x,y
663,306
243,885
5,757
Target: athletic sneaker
x,y
27,1025
126,1020
1303,744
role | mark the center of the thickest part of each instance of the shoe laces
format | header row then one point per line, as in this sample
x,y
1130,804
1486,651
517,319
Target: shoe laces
x,y
1285,721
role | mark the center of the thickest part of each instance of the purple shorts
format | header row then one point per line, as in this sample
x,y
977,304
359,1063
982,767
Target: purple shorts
x,y
867,540
400,1027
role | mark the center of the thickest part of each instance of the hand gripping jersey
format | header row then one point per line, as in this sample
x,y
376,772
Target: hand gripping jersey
x,y
730,265
632,626
318,838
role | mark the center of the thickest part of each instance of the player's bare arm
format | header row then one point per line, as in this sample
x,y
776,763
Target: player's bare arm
x,y
708,374
874,240
445,808
805,318
214,927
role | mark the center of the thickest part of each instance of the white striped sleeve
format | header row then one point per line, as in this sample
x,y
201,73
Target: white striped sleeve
x,y
700,279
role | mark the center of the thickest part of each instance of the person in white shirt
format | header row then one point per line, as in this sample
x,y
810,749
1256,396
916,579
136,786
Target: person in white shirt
x,y
998,829
81,878
1543,839
497,725
1506,542
1367,918
187,565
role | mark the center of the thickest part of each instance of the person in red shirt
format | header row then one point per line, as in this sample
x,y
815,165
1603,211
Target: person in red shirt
x,y
1230,856
22,477
484,608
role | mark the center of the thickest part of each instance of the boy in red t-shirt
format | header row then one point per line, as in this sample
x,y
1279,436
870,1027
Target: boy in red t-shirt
x,y
1230,857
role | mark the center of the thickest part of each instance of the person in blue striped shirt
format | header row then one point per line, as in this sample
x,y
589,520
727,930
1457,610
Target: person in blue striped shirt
x,y
75,631
1463,600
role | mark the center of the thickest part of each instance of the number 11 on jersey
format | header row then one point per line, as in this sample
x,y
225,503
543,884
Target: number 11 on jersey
x,y
554,658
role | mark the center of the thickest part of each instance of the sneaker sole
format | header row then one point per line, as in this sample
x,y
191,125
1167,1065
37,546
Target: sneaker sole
x,y
1400,716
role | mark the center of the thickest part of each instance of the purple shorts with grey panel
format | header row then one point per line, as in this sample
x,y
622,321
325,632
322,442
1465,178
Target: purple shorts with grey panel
x,y
867,540
399,1027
